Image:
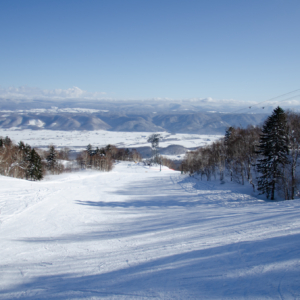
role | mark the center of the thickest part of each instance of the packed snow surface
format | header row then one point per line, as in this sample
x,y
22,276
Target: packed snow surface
x,y
138,233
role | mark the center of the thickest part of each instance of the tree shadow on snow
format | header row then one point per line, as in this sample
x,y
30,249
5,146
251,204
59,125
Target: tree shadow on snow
x,y
154,193
267,268
157,208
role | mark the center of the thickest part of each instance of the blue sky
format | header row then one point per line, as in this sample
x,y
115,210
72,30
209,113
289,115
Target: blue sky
x,y
229,49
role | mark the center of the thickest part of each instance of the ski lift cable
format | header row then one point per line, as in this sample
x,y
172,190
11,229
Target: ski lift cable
x,y
235,111
257,108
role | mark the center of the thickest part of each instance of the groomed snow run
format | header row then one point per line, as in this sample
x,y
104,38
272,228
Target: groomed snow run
x,y
138,233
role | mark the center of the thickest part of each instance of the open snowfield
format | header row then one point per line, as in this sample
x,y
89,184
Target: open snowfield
x,y
78,140
137,233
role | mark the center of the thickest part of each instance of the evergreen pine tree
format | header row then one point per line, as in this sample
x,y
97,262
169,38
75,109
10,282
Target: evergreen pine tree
x,y
51,159
90,153
35,169
24,157
7,141
89,149
228,134
273,146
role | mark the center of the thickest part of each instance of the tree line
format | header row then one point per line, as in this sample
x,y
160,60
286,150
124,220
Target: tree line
x,y
103,158
22,161
266,156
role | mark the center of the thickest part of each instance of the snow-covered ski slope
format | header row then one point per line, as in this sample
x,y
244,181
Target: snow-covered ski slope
x,y
137,233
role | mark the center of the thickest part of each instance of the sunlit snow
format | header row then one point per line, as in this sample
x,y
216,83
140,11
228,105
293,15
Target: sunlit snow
x,y
138,233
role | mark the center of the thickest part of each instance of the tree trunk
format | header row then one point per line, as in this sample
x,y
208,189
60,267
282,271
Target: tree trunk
x,y
273,191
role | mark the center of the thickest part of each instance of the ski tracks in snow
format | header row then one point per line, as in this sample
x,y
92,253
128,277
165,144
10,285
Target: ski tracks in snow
x,y
213,192
15,202
137,233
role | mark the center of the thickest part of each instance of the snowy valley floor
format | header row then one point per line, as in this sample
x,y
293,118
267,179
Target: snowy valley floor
x,y
137,233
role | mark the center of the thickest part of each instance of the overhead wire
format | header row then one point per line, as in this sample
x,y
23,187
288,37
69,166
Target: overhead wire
x,y
254,105
255,109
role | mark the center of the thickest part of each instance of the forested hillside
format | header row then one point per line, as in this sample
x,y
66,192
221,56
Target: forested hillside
x,y
265,156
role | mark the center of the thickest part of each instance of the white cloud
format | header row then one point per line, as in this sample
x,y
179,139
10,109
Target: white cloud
x,y
221,105
231,105
30,93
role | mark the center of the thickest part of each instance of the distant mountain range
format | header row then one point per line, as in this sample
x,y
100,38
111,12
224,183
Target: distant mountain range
x,y
144,116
